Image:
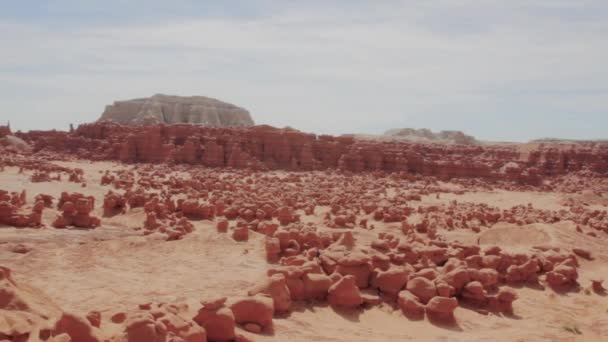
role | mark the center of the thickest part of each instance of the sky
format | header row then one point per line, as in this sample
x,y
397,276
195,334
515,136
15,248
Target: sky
x,y
499,70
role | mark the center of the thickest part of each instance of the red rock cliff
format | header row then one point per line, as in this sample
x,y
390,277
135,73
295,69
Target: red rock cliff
x,y
265,147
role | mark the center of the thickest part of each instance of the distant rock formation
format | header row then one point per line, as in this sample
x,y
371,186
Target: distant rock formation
x,y
166,109
14,142
426,135
5,130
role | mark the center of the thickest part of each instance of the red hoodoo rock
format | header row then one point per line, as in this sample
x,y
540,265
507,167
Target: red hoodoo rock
x,y
273,249
597,286
422,288
316,286
222,226
114,204
503,300
275,286
268,147
345,293
240,233
441,308
410,304
391,281
78,328
19,216
258,309
562,275
163,323
217,319
76,214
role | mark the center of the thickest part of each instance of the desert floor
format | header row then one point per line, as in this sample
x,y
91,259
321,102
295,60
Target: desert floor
x,y
114,267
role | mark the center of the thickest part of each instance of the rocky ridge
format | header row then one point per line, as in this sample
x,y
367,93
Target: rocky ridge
x,y
265,147
426,135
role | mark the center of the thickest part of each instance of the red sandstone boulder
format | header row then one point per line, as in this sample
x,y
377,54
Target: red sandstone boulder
x,y
273,249
422,288
316,286
275,286
345,293
596,285
222,226
503,300
475,292
410,304
114,204
391,281
76,214
562,275
240,233
257,309
441,308
142,327
524,272
79,329
285,215
218,320
94,317
583,253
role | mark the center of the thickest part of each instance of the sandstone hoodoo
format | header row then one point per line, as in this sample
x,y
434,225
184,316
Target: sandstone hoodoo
x,y
167,109
266,147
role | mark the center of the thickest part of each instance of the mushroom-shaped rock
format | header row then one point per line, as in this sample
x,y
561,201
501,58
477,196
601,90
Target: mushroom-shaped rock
x,y
474,291
410,304
77,327
222,226
142,327
422,288
345,293
257,309
597,286
276,287
218,320
503,300
240,233
457,278
357,264
316,285
94,317
391,281
273,249
562,275
185,330
486,276
444,289
524,272
441,308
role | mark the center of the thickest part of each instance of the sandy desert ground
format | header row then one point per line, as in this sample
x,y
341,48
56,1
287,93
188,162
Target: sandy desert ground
x,y
113,268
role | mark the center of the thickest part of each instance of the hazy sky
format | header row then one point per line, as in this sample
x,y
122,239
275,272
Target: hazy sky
x,y
500,70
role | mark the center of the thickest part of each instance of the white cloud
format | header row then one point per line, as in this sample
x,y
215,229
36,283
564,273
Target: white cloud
x,y
470,65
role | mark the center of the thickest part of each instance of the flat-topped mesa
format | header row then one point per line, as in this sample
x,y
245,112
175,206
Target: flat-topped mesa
x,y
426,135
167,109
266,147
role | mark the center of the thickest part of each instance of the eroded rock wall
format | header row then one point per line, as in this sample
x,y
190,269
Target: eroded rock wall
x,y
265,147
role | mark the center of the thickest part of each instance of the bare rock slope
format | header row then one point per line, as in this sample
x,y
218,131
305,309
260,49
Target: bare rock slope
x,y
167,109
